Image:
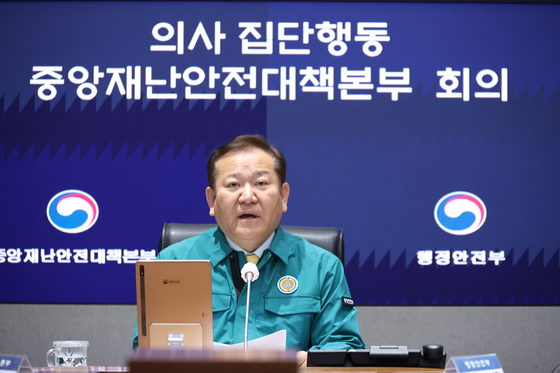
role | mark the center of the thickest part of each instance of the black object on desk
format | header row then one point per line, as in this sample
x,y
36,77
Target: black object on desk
x,y
431,356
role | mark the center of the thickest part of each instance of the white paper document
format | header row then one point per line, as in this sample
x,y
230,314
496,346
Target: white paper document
x,y
275,342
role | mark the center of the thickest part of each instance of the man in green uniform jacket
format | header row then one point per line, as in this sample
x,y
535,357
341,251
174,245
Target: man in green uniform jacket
x,y
301,287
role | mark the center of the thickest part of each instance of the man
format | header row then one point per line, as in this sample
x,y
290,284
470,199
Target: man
x,y
301,286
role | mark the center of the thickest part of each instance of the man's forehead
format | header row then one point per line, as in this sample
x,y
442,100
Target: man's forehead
x,y
256,160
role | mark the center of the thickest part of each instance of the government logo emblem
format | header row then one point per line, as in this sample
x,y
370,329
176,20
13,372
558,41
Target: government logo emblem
x,y
287,284
460,213
72,211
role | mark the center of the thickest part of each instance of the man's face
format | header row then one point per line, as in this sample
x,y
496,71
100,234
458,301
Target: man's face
x,y
248,201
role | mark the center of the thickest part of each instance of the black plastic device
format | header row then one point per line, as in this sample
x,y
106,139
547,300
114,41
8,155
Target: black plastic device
x,y
430,356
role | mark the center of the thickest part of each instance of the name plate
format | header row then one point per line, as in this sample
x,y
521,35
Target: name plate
x,y
479,364
220,361
14,363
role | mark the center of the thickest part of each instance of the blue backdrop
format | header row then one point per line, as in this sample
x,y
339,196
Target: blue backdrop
x,y
381,109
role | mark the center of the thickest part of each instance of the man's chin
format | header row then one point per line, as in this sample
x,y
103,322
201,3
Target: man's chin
x,y
250,236
248,225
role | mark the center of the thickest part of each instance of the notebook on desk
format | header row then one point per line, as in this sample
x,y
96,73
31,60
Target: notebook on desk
x,y
174,304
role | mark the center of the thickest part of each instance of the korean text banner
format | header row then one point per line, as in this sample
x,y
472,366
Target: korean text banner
x,y
429,133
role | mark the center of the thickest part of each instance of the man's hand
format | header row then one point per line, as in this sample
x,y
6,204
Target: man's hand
x,y
301,357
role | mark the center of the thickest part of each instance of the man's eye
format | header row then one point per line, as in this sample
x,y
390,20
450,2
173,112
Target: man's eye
x,y
233,185
261,183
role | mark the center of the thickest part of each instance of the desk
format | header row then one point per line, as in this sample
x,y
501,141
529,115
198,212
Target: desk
x,y
90,369
367,370
112,369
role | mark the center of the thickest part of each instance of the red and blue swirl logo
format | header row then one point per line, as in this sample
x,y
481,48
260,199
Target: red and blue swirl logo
x,y
72,211
460,213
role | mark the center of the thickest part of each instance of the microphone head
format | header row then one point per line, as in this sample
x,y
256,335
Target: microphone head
x,y
252,269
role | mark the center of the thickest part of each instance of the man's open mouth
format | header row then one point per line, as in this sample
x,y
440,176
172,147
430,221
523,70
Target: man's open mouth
x,y
247,216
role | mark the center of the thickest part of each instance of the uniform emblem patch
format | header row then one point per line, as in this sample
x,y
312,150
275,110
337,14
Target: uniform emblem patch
x,y
348,301
287,284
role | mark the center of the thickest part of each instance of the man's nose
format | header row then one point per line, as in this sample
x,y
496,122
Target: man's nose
x,y
247,194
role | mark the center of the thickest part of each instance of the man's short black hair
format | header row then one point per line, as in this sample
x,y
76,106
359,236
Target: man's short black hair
x,y
245,143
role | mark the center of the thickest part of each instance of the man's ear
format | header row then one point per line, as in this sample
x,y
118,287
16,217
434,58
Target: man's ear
x,y
210,198
285,193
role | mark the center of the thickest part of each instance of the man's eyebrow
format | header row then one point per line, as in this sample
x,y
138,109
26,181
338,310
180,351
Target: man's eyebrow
x,y
235,175
261,173
256,173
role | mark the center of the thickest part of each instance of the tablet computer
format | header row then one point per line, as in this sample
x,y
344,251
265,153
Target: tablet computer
x,y
174,304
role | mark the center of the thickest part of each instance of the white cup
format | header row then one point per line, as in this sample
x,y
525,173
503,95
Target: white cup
x,y
68,354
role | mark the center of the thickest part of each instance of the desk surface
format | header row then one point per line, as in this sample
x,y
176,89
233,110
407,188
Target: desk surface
x,y
111,369
89,369
368,370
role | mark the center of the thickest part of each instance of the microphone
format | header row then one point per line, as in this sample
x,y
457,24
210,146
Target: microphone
x,y
249,273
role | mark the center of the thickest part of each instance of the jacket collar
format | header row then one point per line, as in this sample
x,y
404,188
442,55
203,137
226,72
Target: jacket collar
x,y
221,248
281,246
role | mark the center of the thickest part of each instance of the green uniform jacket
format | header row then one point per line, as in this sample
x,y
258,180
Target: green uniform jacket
x,y
313,315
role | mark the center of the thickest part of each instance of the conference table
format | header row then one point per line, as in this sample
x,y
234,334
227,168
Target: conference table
x,y
114,369
232,361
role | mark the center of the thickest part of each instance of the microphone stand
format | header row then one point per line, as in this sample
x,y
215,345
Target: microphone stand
x,y
249,280
249,273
